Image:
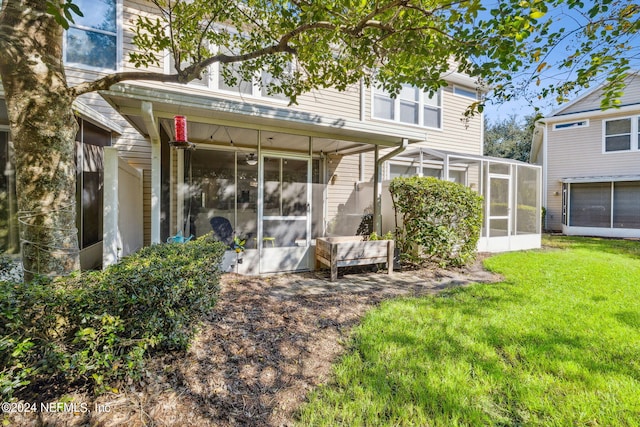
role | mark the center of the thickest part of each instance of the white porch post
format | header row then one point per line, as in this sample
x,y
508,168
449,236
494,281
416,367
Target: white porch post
x,y
111,241
377,183
154,136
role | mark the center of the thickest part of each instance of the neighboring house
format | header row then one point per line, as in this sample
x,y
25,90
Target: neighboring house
x,y
276,174
591,165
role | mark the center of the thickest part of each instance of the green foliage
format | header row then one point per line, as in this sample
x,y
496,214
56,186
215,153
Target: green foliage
x,y
386,236
336,44
63,12
509,138
441,220
99,326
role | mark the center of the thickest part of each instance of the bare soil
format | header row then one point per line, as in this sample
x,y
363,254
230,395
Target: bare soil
x,y
268,343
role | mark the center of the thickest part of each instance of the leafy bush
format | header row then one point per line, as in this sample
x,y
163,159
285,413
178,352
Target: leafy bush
x,y
441,220
99,326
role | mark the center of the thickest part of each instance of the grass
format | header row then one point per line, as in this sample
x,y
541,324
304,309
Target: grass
x,y
556,344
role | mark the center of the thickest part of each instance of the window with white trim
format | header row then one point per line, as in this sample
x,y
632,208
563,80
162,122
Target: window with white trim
x,y
213,77
465,92
410,105
618,135
92,40
571,125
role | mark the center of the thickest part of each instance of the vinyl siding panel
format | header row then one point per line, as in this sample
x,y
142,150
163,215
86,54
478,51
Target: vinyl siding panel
x,y
574,153
591,102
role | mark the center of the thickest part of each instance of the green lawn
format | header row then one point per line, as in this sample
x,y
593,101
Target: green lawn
x,y
556,344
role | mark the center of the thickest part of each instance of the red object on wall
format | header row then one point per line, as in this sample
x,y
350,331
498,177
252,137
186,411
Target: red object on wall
x,y
180,124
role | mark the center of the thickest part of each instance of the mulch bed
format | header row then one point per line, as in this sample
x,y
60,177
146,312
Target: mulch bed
x,y
254,361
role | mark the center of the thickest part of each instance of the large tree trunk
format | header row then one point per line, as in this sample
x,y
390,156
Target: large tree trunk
x,y
43,129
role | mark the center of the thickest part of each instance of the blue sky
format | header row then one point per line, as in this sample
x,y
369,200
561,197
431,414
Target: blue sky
x,y
568,19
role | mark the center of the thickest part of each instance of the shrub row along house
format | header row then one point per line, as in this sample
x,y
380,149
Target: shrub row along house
x,y
275,174
591,163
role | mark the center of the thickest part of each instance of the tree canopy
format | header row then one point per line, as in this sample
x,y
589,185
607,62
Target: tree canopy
x,y
509,138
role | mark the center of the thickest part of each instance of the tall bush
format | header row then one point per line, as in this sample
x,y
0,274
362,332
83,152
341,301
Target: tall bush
x,y
441,220
99,326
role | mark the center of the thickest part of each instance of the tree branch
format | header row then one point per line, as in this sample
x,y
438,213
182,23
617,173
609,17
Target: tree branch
x,y
106,82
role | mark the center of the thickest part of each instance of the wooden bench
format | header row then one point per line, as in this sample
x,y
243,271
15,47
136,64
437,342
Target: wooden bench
x,y
347,251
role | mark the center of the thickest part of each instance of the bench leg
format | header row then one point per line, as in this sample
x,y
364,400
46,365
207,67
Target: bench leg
x,y
334,263
390,250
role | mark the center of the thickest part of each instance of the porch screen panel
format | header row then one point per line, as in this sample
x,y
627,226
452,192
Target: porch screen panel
x,y
400,170
90,171
247,199
317,195
285,202
499,207
527,217
210,190
590,204
626,204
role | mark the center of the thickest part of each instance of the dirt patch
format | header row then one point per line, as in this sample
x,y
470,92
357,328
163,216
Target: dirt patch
x,y
269,341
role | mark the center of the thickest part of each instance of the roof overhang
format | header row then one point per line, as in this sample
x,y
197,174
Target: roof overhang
x,y
592,114
169,101
609,178
95,117
460,157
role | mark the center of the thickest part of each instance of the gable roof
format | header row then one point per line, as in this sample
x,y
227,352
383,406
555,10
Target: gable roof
x,y
590,100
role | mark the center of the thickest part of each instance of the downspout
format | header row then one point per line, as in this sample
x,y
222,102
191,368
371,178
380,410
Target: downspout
x,y
377,183
154,136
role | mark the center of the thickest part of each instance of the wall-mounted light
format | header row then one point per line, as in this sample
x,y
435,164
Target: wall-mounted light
x,y
251,159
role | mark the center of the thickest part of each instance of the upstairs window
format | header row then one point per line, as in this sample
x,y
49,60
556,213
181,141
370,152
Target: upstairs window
x,y
213,77
618,135
93,39
465,92
410,105
571,125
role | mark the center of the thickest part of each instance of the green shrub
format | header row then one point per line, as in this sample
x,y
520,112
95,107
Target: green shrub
x,y
441,220
99,326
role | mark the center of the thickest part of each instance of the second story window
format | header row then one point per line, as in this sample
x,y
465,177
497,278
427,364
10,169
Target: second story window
x,y
93,39
411,106
619,135
214,78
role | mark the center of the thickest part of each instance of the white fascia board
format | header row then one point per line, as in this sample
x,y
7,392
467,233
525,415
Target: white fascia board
x,y
627,109
607,178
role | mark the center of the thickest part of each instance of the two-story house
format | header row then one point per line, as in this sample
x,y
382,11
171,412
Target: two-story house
x,y
591,165
276,174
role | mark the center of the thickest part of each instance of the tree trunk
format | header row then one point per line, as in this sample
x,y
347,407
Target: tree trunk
x,y
43,129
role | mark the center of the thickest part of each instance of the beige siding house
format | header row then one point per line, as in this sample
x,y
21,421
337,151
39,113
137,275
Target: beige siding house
x,y
591,165
275,174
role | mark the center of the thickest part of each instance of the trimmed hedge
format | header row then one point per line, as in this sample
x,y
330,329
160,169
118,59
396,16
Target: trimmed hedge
x,y
441,220
99,326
